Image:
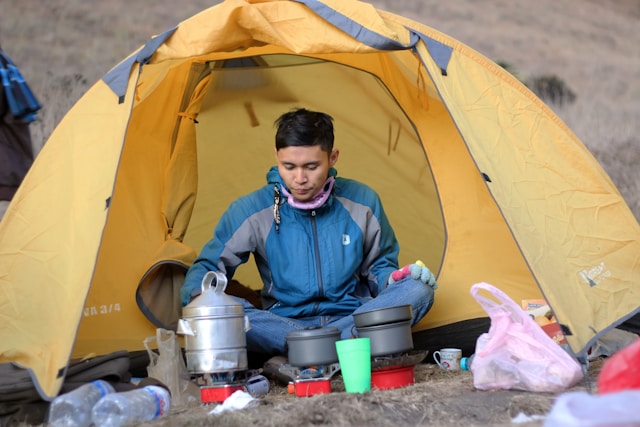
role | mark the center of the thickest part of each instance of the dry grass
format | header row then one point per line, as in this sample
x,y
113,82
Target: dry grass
x,y
63,46
438,399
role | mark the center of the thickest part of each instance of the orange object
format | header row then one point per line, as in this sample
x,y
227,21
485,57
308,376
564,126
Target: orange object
x,y
541,313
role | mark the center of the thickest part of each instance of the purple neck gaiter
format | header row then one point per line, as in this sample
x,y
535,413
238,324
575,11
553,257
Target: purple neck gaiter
x,y
314,203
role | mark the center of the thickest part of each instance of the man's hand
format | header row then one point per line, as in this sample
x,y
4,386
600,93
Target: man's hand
x,y
417,271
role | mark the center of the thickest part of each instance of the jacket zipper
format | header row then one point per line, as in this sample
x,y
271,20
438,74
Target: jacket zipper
x,y
314,230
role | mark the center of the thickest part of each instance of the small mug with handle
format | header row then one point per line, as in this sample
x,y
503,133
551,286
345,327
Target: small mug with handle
x,y
448,358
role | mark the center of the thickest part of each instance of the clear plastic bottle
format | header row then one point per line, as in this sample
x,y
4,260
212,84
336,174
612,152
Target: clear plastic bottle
x,y
142,404
73,409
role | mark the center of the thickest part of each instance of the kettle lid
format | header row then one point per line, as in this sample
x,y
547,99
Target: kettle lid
x,y
213,301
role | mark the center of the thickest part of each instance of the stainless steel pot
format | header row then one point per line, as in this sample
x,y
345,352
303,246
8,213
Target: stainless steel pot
x,y
388,339
214,327
312,347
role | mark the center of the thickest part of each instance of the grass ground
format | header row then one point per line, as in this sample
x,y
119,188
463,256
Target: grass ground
x,y
64,46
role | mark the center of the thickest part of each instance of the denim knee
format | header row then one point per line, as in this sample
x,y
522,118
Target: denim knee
x,y
419,295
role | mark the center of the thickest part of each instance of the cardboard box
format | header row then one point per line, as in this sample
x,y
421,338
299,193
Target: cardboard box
x,y
540,312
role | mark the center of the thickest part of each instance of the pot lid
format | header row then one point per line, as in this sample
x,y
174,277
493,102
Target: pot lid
x,y
395,325
213,301
383,315
316,332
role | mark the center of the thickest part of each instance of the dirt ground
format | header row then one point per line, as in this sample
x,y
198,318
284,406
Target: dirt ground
x,y
438,398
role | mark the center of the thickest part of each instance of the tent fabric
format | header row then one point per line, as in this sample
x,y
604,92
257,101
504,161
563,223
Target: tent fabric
x,y
480,179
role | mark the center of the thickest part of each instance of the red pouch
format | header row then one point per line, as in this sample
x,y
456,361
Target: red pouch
x,y
621,371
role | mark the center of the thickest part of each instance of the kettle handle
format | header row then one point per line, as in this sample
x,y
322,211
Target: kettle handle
x,y
221,281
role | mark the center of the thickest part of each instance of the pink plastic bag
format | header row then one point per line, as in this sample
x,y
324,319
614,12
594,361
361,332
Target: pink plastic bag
x,y
516,353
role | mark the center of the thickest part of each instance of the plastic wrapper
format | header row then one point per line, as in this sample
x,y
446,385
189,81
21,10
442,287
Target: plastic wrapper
x,y
581,409
168,366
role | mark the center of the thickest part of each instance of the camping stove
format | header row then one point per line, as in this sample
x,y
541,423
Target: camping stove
x,y
217,387
309,381
395,371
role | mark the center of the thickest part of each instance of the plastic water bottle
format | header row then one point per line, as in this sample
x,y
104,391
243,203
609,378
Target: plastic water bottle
x,y
465,363
142,404
73,409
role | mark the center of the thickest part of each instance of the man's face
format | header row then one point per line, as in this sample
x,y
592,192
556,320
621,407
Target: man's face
x,y
305,169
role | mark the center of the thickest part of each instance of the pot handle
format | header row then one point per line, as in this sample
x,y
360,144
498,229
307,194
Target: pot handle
x,y
221,281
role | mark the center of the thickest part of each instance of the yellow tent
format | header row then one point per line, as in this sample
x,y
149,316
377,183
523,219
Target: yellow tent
x,y
479,178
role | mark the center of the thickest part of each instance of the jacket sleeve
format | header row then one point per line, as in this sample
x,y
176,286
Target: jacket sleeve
x,y
381,248
232,244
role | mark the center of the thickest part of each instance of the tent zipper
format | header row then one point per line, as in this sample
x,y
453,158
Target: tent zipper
x,y
316,247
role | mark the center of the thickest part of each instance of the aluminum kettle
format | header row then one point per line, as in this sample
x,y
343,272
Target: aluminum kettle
x,y
214,326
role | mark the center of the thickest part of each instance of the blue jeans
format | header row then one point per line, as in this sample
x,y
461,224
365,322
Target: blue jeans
x,y
269,331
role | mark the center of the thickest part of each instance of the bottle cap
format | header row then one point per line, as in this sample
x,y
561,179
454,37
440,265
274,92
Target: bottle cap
x,y
465,364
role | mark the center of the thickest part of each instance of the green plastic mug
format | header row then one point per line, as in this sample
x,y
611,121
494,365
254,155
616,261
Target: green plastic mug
x,y
354,356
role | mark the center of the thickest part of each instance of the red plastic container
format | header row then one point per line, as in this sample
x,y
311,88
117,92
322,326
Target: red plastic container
x,y
394,377
219,394
312,386
621,371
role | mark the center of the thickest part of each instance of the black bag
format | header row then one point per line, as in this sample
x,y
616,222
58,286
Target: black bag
x,y
18,107
20,402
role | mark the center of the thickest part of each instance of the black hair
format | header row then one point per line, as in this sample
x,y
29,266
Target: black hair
x,y
303,127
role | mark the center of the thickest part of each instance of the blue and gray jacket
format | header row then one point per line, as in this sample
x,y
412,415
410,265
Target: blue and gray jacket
x,y
325,261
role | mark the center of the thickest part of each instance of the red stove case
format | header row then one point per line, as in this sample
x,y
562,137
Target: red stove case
x,y
218,393
393,377
311,386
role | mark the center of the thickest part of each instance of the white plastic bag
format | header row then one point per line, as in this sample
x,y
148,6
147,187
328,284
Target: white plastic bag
x,y
516,353
581,409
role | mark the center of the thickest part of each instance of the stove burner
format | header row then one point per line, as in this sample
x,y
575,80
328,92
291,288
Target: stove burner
x,y
309,372
399,360
221,378
309,381
218,386
313,371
